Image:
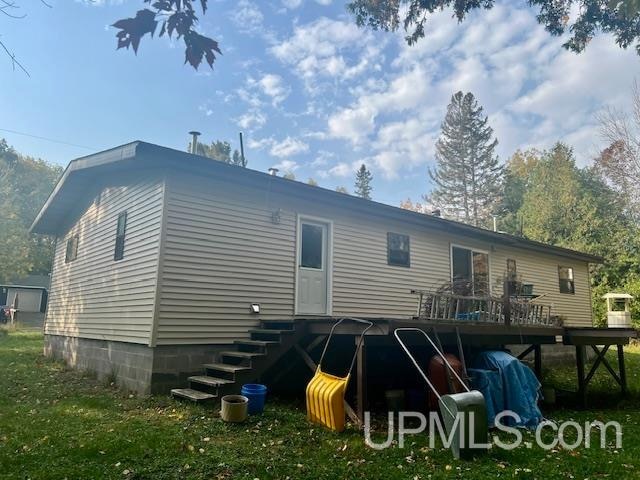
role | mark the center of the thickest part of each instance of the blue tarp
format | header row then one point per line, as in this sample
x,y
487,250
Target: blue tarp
x,y
507,384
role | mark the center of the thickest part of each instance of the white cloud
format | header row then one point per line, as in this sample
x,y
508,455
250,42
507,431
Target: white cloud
x,y
248,17
329,49
342,169
288,147
273,86
353,123
259,144
287,166
533,90
251,120
293,4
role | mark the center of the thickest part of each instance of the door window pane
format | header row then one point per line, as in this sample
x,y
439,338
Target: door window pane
x,y
311,246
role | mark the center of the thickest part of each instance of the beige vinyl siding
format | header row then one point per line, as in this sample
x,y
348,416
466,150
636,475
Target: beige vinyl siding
x,y
95,296
541,270
222,252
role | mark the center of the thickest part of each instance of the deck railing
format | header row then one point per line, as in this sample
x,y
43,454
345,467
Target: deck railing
x,y
435,306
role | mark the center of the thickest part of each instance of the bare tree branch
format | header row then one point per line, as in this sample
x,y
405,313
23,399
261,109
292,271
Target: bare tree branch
x,y
14,60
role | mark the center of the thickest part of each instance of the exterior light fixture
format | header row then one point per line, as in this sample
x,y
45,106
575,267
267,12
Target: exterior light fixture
x,y
276,216
255,308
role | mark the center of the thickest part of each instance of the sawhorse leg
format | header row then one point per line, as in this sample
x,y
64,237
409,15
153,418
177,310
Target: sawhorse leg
x,y
622,369
582,384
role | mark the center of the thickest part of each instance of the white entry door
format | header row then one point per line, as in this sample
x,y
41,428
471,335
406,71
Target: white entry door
x,y
313,268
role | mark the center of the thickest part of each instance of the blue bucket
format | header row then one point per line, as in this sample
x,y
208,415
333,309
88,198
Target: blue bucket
x,y
256,394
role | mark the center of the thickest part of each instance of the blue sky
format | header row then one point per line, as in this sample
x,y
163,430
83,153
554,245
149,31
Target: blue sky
x,y
312,93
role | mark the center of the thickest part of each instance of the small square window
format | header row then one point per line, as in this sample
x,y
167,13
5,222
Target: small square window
x,y
72,249
565,278
121,232
398,253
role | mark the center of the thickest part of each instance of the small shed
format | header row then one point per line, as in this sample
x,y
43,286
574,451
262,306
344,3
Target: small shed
x,y
31,291
618,309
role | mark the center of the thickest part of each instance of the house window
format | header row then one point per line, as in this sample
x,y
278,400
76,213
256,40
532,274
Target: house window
x,y
512,271
469,272
398,253
120,236
565,278
72,249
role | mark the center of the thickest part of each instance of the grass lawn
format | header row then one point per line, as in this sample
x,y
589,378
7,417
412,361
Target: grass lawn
x,y
57,423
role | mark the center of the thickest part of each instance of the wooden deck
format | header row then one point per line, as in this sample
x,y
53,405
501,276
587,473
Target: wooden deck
x,y
489,335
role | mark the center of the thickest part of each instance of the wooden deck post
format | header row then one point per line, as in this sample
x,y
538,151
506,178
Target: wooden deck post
x,y
537,360
506,296
622,370
361,380
582,386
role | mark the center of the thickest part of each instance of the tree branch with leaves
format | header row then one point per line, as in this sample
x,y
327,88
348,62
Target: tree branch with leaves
x,y
621,18
177,18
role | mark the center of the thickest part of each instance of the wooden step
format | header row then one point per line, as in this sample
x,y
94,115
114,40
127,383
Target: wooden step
x,y
209,381
255,343
269,331
278,324
246,355
224,367
193,395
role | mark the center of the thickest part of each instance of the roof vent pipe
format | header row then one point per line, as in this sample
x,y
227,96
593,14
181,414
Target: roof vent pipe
x,y
273,171
194,142
436,213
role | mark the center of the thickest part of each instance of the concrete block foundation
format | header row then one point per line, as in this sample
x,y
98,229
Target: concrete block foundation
x,y
134,367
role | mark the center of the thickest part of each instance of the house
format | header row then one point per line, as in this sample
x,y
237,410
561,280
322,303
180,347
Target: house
x,y
163,258
31,293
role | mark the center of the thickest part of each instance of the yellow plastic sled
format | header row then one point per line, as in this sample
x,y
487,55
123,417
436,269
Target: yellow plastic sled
x,y
325,392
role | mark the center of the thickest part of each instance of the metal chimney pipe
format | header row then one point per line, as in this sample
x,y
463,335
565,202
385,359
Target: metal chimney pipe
x,y
244,162
273,171
194,141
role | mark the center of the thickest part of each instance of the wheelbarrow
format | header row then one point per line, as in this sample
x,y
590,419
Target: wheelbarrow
x,y
325,392
464,414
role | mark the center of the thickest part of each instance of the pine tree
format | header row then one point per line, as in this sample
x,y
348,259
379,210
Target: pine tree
x,y
363,182
467,175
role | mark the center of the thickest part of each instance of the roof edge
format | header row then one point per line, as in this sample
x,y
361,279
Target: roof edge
x,y
122,152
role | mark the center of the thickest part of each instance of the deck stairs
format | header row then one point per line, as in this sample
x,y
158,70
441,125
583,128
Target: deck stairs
x,y
245,362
